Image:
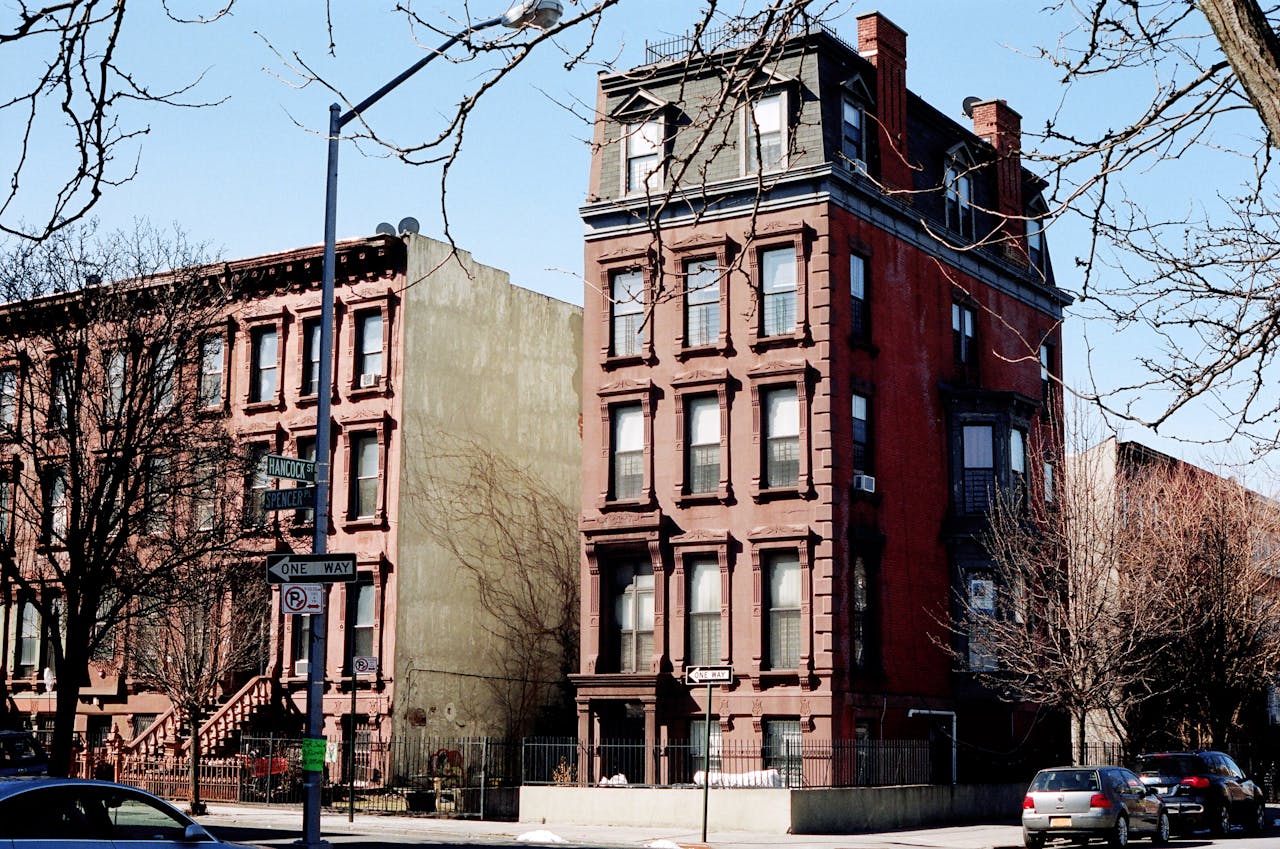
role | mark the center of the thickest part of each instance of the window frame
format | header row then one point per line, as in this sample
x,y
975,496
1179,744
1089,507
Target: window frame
x,y
309,355
354,628
622,393
958,195
204,402
779,658
751,134
865,442
632,130
696,385
765,379
360,313
10,399
707,546
764,543
859,305
964,333
858,161
798,238
617,596
377,427
622,310
721,250
255,396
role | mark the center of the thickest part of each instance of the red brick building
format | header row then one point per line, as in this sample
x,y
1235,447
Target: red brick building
x,y
802,383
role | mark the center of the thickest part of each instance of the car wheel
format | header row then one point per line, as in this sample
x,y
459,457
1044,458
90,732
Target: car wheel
x,y
1161,835
1221,826
1258,822
1032,839
1119,836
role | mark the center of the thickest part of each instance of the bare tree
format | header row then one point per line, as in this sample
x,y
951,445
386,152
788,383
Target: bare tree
x,y
516,538
1214,544
213,630
1061,618
111,470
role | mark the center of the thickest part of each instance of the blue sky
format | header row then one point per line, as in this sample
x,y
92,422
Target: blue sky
x,y
248,176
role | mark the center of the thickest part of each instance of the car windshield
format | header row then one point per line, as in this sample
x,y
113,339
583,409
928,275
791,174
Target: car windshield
x,y
1170,765
1065,779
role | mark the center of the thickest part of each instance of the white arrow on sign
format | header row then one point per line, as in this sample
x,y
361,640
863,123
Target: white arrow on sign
x,y
709,675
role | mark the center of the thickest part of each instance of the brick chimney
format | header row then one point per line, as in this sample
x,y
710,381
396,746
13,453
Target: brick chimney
x,y
1001,127
884,45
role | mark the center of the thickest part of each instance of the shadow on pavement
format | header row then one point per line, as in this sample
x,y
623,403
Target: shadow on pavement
x,y
252,834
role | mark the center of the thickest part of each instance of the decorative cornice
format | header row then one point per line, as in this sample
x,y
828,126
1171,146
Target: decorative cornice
x,y
701,536
697,376
779,532
777,367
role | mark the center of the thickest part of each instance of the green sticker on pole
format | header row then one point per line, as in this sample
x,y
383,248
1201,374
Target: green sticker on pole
x,y
313,749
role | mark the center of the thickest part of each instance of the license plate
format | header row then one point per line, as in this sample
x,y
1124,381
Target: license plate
x,y
1059,822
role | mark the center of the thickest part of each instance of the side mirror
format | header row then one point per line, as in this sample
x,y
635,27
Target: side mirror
x,y
194,833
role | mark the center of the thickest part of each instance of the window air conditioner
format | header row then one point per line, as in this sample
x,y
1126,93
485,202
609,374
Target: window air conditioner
x,y
368,381
864,483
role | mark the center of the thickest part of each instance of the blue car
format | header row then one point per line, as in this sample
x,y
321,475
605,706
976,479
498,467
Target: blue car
x,y
39,811
21,754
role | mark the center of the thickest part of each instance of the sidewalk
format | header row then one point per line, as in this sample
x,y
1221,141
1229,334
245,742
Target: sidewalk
x,y
281,826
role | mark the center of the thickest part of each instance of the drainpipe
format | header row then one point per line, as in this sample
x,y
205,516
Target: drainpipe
x,y
919,712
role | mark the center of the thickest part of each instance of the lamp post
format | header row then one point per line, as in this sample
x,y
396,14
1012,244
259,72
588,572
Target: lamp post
x,y
525,13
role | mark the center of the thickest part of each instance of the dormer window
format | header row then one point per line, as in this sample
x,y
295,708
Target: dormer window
x,y
766,134
644,157
852,139
1035,234
958,184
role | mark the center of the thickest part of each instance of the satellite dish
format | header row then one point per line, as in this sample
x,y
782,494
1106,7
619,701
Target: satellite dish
x,y
385,229
408,225
968,103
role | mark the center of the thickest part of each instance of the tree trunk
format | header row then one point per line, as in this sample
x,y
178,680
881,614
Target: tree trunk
x,y
1252,48
1081,758
197,807
71,671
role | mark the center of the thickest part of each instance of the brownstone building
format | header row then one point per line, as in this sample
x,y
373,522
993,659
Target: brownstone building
x,y
804,377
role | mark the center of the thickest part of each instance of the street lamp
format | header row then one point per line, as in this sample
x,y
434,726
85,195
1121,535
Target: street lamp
x,y
540,14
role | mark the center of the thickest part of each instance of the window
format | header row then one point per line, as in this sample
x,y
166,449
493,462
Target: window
x,y
1046,370
766,136
778,290
963,322
627,467
703,612
6,510
206,494
360,619
211,366
782,749
263,367
55,517
1035,242
959,191
978,472
627,310
861,435
164,363
644,157
115,366
306,451
633,615
852,143
861,625
310,357
256,482
982,606
782,625
701,303
301,644
1049,493
698,744
702,437
27,653
859,324
1018,461
8,399
368,348
158,494
61,392
781,438
364,475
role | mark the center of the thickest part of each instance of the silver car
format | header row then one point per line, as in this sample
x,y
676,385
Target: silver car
x,y
1107,802
40,811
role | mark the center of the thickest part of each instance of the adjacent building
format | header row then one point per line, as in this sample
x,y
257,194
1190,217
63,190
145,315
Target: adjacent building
x,y
431,350
820,330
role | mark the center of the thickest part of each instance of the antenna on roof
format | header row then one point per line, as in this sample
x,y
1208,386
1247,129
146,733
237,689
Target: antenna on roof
x,y
408,224
968,103
385,229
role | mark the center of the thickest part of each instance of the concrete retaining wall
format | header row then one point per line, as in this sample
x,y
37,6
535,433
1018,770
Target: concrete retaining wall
x,y
827,811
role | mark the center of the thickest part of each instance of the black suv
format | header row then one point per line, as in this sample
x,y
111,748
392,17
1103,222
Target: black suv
x,y
1204,790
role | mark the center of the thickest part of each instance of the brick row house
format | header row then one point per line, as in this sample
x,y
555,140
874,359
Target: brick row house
x,y
803,383
258,369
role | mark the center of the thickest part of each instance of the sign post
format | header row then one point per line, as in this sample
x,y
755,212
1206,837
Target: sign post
x,y
709,675
359,666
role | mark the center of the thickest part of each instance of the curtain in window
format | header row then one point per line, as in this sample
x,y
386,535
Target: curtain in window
x,y
644,156
782,438
784,612
628,451
211,372
778,286
764,148
633,613
704,444
704,612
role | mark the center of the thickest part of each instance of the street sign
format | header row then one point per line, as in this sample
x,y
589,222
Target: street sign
x,y
292,498
311,568
708,675
292,468
364,665
302,599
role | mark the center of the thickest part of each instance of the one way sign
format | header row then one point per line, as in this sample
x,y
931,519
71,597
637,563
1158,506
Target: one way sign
x,y
311,568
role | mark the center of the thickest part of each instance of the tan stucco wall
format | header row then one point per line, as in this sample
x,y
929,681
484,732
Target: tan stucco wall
x,y
489,361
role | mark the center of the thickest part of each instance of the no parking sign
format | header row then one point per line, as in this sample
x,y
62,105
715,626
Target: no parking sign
x,y
302,599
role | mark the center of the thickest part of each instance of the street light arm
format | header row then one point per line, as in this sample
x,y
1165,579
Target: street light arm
x,y
350,115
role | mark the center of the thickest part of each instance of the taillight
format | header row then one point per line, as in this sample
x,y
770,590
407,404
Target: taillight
x,y
1197,781
1028,804
1099,800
